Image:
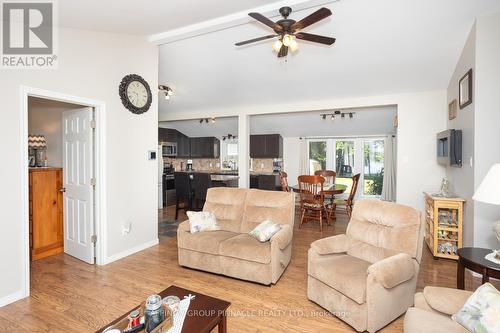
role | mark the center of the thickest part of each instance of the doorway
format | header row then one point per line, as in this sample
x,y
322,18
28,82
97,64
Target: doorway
x,y
75,133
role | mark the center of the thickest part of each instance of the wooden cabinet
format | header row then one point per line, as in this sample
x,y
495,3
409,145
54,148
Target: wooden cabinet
x,y
265,182
443,225
46,212
205,147
167,135
266,146
183,146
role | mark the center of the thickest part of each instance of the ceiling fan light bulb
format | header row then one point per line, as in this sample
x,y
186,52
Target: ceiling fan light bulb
x,y
294,45
277,45
287,39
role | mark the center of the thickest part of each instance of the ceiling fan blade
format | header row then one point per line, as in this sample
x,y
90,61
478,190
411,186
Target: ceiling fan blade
x,y
311,19
254,40
262,19
283,51
315,38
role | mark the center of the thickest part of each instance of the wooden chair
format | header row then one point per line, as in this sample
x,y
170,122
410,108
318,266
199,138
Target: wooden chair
x,y
284,181
346,204
312,205
329,176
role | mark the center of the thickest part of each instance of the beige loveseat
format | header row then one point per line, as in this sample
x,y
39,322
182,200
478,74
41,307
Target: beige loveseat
x,y
368,276
232,251
433,310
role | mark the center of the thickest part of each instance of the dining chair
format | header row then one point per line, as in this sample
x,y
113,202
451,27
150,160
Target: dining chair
x,y
312,205
284,181
329,176
183,192
200,184
347,204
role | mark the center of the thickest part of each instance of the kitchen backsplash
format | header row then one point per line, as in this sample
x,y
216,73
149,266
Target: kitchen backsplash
x,y
200,164
262,164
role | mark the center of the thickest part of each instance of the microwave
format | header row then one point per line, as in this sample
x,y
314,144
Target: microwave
x,y
169,149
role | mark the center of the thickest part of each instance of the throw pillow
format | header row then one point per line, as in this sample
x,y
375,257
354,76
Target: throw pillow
x,y
265,230
481,312
202,221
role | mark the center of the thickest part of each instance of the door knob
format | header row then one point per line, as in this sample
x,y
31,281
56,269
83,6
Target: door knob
x,y
62,190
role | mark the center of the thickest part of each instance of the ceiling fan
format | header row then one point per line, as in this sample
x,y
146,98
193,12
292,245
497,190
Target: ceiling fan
x,y
288,30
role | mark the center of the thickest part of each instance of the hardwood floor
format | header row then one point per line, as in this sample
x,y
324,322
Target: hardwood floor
x,y
68,295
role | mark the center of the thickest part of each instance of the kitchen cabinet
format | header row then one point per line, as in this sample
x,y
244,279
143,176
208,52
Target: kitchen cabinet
x,y
45,212
167,135
183,146
266,146
265,182
206,147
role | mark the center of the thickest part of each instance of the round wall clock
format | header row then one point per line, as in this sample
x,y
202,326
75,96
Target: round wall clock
x,y
135,94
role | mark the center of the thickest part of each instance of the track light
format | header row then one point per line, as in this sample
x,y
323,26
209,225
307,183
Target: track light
x,y
337,113
213,120
201,120
167,90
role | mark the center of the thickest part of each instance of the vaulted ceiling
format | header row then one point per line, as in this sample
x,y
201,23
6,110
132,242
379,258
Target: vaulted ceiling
x,y
383,47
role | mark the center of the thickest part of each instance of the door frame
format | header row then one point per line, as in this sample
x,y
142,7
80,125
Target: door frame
x,y
100,171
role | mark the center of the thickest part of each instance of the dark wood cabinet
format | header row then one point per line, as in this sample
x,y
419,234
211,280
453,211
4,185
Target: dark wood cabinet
x,y
205,147
265,182
183,146
266,146
167,135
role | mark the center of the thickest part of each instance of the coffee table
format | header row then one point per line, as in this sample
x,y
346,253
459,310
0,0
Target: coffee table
x,y
204,314
473,258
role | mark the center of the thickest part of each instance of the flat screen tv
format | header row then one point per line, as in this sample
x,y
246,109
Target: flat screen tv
x,y
449,148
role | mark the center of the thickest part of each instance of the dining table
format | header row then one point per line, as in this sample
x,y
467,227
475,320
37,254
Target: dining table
x,y
328,189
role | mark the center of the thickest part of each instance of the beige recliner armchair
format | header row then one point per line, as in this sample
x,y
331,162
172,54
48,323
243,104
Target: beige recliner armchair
x,y
368,276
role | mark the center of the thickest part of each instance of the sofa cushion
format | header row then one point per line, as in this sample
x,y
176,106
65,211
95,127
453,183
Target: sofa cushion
x,y
264,231
343,273
246,247
227,204
260,205
202,221
422,321
206,241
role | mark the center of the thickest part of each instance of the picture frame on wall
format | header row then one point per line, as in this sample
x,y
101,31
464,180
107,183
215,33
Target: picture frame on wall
x,y
465,90
452,110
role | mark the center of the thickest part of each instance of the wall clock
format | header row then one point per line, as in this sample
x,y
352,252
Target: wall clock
x,y
135,93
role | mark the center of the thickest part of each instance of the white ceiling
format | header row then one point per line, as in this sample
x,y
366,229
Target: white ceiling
x,y
145,17
383,47
367,121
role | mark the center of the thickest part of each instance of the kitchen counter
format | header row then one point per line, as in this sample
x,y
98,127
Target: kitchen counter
x,y
224,178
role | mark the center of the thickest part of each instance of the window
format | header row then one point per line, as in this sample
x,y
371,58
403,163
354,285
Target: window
x,y
317,156
232,149
344,162
373,161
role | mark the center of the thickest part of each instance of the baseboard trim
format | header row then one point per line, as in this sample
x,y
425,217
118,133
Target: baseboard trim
x,y
14,297
131,251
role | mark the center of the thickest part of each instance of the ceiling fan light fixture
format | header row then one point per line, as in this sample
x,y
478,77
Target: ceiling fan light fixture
x,y
294,45
287,40
277,45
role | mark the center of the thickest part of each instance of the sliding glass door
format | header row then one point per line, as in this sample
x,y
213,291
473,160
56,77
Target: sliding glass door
x,y
348,157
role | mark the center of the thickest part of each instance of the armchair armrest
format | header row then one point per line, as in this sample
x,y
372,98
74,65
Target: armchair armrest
x,y
331,245
446,300
184,226
393,270
283,237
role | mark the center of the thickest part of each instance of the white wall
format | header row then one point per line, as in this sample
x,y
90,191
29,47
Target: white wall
x,y
487,121
91,65
462,179
45,118
291,158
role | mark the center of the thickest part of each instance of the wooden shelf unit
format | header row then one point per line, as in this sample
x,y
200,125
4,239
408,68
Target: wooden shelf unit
x,y
443,225
46,212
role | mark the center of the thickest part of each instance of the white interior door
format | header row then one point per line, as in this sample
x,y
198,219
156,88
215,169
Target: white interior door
x,y
78,173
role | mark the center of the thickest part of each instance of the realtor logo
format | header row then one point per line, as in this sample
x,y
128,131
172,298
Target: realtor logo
x,y
28,36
